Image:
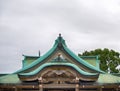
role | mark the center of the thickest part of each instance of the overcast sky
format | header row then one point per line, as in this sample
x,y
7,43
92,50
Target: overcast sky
x,y
27,26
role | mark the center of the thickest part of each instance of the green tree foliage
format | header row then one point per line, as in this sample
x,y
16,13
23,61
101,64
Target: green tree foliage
x,y
109,59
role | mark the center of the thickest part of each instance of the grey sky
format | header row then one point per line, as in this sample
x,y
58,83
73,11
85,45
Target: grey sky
x,y
27,26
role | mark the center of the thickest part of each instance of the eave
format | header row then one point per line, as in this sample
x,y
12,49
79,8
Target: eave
x,y
33,75
60,44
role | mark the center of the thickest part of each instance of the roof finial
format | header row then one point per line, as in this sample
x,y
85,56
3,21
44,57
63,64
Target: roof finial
x,y
39,53
59,34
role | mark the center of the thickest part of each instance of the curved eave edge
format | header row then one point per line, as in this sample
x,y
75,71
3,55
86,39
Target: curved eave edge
x,y
39,59
57,64
81,60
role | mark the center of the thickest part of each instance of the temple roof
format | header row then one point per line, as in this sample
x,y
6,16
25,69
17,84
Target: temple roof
x,y
58,64
49,59
103,79
61,45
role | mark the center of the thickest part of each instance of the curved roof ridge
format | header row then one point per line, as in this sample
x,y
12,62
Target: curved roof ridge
x,y
60,43
81,60
39,59
57,43
54,64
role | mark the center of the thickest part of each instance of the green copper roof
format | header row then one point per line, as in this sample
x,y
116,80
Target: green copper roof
x,y
11,78
60,44
92,60
59,64
81,61
108,78
103,79
39,59
28,60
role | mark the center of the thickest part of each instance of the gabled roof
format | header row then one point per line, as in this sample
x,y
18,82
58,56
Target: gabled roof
x,y
60,44
28,60
33,73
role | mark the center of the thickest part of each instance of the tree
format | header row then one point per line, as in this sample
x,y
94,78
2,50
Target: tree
x,y
109,59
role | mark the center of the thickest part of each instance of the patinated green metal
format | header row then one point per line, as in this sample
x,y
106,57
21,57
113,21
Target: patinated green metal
x,y
60,45
58,64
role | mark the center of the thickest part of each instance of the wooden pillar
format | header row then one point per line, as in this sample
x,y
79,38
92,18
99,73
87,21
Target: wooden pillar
x,y
15,89
99,89
19,89
40,87
40,84
77,84
77,87
116,89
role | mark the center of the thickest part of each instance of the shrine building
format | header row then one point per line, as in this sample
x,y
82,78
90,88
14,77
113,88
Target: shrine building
x,y
60,69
